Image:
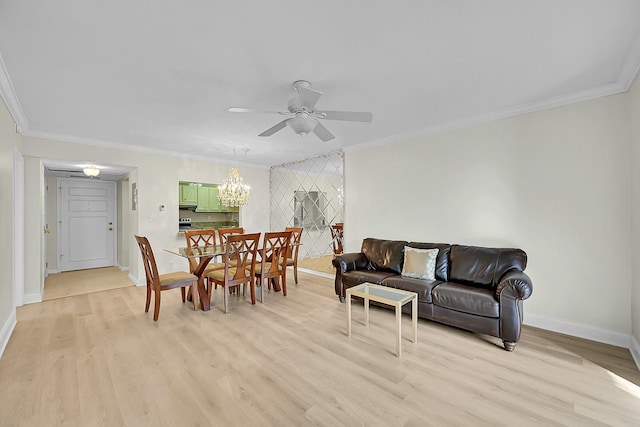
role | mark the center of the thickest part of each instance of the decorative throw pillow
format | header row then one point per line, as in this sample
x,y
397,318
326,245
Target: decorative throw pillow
x,y
419,263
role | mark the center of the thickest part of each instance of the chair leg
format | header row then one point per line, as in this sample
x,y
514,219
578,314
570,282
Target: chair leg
x,y
226,299
184,294
284,283
146,307
156,308
295,273
258,286
252,290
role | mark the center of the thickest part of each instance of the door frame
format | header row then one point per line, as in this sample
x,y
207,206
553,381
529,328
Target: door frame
x,y
114,201
18,228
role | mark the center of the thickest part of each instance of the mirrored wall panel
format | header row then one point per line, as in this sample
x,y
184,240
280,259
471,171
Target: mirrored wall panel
x,y
310,194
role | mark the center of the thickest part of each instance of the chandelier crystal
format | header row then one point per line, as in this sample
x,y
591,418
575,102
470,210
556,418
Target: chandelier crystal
x,y
233,192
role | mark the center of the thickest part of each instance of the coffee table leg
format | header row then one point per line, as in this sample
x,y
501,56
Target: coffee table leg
x,y
398,329
366,311
414,318
348,314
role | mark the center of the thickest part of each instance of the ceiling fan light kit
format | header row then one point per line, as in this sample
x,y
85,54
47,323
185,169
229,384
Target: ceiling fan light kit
x,y
304,118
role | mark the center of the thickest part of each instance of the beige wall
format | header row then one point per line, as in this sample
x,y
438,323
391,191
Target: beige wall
x,y
157,179
554,183
10,140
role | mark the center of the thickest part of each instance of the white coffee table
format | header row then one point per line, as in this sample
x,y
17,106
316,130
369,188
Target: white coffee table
x,y
390,296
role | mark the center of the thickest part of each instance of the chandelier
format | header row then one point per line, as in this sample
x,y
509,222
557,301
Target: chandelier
x,y
233,192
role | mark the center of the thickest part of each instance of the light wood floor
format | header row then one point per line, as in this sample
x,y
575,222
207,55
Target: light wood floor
x,y
321,264
60,285
98,359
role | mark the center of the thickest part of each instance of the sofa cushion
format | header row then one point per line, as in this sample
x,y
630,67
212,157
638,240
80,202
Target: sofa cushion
x,y
421,287
419,263
384,255
483,267
355,277
442,261
467,299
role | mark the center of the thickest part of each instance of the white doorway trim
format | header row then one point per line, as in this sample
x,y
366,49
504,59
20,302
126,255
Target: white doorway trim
x,y
18,228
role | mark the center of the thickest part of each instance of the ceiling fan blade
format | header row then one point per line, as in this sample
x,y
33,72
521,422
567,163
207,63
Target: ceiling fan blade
x,y
308,97
250,110
323,133
350,116
274,129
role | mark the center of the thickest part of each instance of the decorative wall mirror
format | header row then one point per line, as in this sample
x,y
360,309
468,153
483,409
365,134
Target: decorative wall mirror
x,y
310,194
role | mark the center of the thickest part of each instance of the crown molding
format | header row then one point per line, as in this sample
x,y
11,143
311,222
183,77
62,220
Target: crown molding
x,y
135,148
11,100
571,98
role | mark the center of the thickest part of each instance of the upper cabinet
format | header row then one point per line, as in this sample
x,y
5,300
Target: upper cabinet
x,y
208,199
188,194
203,196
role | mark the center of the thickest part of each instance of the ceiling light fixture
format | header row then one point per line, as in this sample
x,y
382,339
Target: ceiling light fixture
x,y
234,192
91,171
302,124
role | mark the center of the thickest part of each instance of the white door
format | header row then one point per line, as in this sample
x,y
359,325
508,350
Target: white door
x,y
86,224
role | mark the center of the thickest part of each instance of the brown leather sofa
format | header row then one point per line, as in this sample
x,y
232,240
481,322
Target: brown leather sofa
x,y
475,288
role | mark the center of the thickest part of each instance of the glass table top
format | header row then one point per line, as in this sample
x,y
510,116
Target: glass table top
x,y
381,293
198,251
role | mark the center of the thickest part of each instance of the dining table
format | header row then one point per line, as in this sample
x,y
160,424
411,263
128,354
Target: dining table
x,y
204,255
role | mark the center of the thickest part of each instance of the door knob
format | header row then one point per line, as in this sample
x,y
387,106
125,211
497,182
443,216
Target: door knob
x,y
110,228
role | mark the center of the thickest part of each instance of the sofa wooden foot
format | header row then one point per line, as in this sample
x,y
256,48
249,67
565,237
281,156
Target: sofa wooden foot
x,y
341,298
509,346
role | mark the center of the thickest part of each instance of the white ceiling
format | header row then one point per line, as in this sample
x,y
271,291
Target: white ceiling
x,y
160,75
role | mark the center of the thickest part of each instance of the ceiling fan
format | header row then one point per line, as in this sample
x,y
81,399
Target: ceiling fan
x,y
304,118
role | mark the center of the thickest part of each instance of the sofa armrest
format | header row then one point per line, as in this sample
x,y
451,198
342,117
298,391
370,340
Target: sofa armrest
x,y
344,263
352,261
516,284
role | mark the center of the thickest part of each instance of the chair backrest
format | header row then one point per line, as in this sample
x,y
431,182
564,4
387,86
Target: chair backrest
x,y
296,236
274,250
224,232
241,253
336,235
149,261
199,238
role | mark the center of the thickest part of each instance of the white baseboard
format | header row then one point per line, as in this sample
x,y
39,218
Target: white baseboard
x,y
635,351
7,330
317,273
32,298
579,330
52,271
121,268
136,282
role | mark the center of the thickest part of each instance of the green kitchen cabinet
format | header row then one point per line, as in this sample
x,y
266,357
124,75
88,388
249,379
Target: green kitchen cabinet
x,y
188,194
208,199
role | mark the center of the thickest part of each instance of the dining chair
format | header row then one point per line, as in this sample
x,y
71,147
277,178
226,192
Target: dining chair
x,y
292,252
203,237
273,261
336,236
162,282
239,265
224,232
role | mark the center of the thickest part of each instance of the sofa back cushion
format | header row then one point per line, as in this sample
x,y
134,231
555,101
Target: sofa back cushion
x,y
484,267
442,261
384,255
